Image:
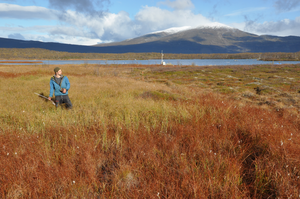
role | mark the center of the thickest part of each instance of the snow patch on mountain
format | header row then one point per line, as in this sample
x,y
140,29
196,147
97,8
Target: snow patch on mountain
x,y
213,25
170,31
173,30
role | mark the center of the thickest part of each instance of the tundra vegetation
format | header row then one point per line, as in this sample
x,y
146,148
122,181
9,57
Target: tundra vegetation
x,y
151,132
43,54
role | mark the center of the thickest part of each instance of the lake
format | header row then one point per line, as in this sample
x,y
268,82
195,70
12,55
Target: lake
x,y
196,62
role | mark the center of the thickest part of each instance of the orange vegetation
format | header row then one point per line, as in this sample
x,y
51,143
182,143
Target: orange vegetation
x,y
139,134
229,151
13,75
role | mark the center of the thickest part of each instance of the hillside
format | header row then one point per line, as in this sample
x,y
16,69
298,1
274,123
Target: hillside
x,y
211,40
217,39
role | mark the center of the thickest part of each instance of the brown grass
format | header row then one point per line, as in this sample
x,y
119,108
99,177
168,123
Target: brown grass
x,y
14,75
20,62
116,143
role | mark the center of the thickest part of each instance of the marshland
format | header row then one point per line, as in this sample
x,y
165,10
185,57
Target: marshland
x,y
151,132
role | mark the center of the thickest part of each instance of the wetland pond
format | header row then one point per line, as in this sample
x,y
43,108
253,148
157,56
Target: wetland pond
x,y
194,62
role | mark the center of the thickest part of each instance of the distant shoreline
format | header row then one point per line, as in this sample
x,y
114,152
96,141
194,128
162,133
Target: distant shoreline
x,y
29,62
40,60
35,54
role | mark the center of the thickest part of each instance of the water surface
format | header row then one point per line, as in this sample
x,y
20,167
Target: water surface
x,y
196,62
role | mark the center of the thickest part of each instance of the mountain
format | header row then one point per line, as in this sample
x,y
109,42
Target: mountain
x,y
14,43
209,39
213,38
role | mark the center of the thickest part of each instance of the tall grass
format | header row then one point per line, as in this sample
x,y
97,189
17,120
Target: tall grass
x,y
118,142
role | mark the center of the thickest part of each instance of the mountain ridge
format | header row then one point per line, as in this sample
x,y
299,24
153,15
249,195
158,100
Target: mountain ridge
x,y
223,39
204,39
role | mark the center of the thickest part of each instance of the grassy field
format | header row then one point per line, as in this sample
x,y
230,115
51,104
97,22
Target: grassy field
x,y
151,132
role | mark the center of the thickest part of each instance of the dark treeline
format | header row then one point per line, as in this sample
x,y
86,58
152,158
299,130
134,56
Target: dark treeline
x,y
42,54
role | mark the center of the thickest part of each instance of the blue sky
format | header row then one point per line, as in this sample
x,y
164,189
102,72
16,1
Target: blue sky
x,y
88,22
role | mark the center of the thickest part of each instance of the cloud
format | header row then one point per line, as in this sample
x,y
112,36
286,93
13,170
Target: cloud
x,y
67,40
286,5
119,26
250,23
154,18
248,10
88,28
52,34
16,36
178,4
26,12
284,27
82,6
109,26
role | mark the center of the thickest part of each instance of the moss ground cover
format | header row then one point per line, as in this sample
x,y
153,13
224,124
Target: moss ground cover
x,y
151,132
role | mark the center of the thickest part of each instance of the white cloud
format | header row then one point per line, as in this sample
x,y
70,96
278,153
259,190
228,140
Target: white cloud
x,y
76,40
154,18
47,34
239,26
106,27
27,30
65,39
120,26
81,28
178,4
16,36
93,7
285,27
26,12
98,28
